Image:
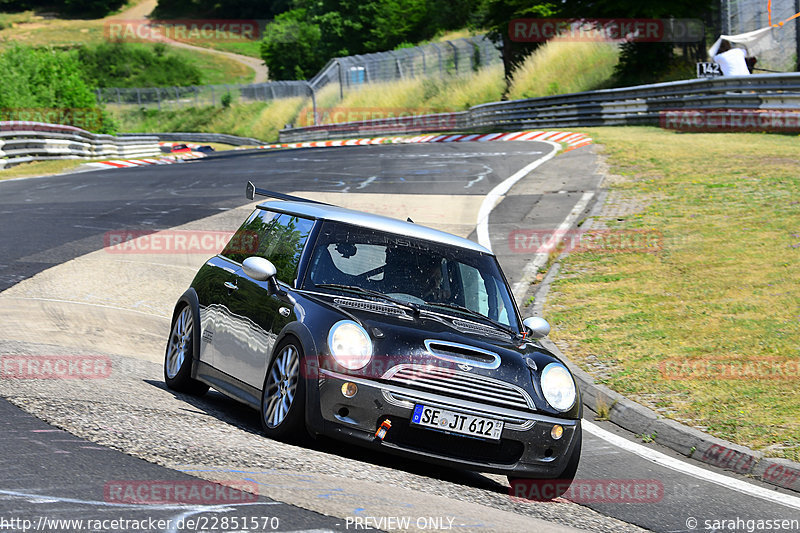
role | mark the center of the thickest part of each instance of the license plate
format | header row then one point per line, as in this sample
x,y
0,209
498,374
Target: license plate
x,y
461,423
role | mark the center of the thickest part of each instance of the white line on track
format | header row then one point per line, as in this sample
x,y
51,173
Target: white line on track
x,y
685,468
90,304
44,498
543,253
494,195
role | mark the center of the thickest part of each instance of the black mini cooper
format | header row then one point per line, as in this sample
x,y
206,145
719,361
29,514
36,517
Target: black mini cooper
x,y
380,332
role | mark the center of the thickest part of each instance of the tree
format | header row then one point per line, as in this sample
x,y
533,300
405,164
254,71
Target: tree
x,y
495,15
290,47
83,8
225,9
641,62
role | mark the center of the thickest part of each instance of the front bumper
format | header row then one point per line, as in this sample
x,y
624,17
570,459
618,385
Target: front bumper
x,y
525,449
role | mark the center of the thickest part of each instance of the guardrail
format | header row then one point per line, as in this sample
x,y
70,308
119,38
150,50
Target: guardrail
x,y
199,138
438,122
639,105
23,142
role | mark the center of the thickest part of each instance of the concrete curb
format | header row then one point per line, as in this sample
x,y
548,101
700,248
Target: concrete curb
x,y
640,420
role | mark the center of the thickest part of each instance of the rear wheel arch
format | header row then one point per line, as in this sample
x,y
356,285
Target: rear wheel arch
x,y
189,297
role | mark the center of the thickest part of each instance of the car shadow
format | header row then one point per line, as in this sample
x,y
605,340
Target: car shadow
x,y
247,419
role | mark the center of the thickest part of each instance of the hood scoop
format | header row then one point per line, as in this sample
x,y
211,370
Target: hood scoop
x,y
463,354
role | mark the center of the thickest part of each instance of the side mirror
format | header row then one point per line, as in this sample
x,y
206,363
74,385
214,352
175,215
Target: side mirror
x,y
538,326
258,268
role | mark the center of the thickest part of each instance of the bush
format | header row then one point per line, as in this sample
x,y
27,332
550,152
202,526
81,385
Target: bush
x,y
135,65
91,8
42,83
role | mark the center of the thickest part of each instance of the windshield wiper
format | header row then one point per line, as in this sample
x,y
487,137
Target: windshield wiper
x,y
476,314
355,288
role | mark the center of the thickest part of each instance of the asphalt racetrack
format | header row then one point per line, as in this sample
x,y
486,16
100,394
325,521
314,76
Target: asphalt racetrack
x,y
62,294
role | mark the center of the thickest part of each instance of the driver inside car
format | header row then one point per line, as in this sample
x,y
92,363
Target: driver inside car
x,y
435,287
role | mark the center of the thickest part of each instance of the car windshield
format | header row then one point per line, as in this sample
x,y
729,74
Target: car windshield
x,y
431,276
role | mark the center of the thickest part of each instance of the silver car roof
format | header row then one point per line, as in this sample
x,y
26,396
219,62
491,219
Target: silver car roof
x,y
376,222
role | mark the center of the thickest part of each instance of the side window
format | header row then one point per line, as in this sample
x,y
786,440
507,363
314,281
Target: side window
x,y
284,244
475,296
277,237
249,237
481,295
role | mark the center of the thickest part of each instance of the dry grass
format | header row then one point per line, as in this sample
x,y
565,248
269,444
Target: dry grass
x,y
562,67
40,168
406,97
724,287
259,120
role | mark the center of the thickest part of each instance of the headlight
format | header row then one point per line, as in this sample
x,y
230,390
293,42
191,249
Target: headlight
x,y
558,386
350,345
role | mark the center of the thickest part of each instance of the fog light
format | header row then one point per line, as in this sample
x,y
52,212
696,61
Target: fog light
x,y
556,432
349,389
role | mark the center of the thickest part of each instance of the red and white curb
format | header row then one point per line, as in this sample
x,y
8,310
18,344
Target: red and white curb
x,y
572,139
166,160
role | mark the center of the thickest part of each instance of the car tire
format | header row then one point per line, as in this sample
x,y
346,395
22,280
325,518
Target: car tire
x,y
283,398
180,355
549,489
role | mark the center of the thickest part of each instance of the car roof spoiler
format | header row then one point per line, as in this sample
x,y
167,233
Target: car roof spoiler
x,y
252,191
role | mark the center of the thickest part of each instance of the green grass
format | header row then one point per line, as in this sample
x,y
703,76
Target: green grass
x,y
8,20
259,120
725,285
40,168
34,30
245,48
215,69
561,67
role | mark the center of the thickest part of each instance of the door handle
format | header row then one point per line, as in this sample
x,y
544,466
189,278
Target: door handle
x,y
231,286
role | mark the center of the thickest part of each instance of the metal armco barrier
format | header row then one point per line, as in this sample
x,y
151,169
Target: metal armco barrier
x,y
199,138
439,122
23,142
628,106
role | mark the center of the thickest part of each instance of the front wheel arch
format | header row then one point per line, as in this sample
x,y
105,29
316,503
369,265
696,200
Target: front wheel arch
x,y
292,425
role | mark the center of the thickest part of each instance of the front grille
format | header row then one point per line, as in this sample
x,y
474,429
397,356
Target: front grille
x,y
372,307
461,385
404,435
